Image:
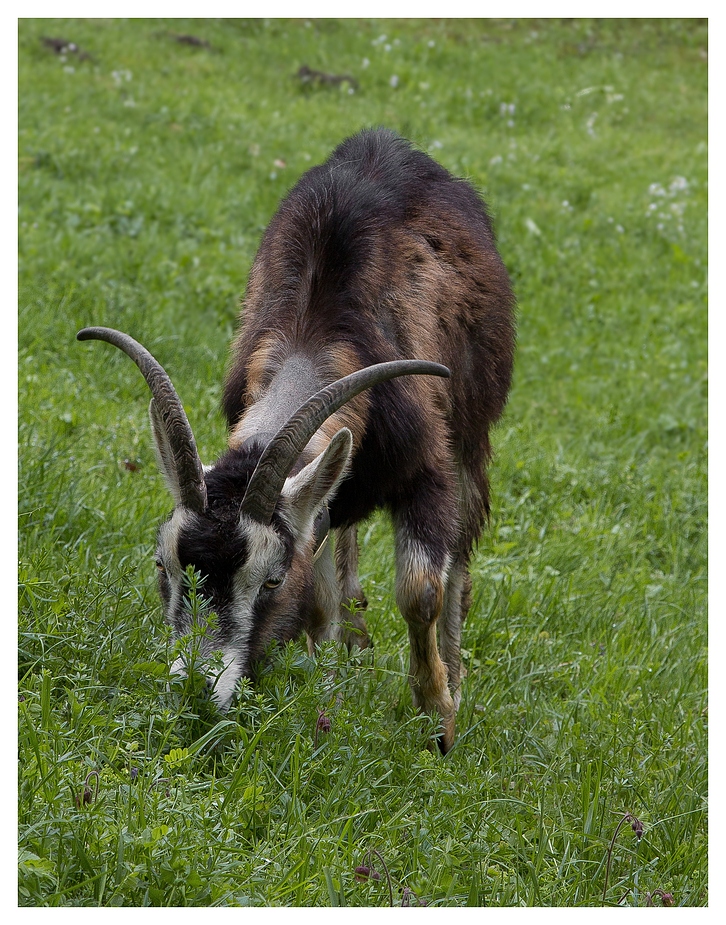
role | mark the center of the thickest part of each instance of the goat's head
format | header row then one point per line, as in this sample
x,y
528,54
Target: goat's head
x,y
246,524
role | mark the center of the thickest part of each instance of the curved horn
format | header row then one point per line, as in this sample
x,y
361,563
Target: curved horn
x,y
285,447
187,465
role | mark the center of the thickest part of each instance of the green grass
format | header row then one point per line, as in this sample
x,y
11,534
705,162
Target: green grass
x,y
147,174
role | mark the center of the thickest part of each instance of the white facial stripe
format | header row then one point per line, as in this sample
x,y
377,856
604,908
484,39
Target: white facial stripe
x,y
168,543
265,552
226,681
169,538
178,667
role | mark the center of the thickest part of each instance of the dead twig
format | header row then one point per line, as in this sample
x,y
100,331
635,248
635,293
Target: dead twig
x,y
308,76
64,47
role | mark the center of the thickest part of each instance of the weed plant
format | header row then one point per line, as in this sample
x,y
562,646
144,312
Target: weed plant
x,y
152,156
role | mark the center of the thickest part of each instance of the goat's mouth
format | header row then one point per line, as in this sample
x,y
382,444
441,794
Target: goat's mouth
x,y
220,679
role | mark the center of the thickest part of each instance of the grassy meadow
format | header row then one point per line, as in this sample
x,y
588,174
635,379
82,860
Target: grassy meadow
x,y
152,155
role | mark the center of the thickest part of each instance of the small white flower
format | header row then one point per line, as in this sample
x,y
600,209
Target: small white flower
x,y
394,80
497,159
120,76
365,62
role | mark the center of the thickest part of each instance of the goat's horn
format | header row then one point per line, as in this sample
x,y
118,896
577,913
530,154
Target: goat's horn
x,y
188,466
285,447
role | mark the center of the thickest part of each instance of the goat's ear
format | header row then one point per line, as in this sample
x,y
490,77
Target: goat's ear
x,y
164,455
307,491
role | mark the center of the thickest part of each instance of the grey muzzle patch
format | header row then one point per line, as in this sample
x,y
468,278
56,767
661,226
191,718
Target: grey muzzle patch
x,y
221,679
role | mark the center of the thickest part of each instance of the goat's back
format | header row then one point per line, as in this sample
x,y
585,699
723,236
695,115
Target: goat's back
x,y
380,254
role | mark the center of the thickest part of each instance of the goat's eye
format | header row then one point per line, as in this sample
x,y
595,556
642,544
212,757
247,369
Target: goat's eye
x,y
273,583
160,566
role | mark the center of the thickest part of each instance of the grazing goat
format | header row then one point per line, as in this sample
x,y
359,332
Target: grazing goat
x,y
378,264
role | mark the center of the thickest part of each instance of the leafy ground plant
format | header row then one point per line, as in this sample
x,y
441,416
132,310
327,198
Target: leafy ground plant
x,y
152,155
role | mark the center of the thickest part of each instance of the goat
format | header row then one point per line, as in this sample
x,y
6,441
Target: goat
x,y
376,280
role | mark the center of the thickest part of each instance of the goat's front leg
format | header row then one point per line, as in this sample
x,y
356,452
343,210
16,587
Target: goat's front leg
x,y
338,595
355,633
457,599
323,622
421,577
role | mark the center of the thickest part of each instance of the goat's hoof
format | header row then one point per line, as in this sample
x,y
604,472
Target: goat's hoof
x,y
445,739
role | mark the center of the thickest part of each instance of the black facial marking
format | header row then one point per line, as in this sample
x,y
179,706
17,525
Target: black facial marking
x,y
212,542
214,546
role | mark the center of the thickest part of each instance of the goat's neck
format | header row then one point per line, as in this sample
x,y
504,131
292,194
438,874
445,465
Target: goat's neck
x,y
293,383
